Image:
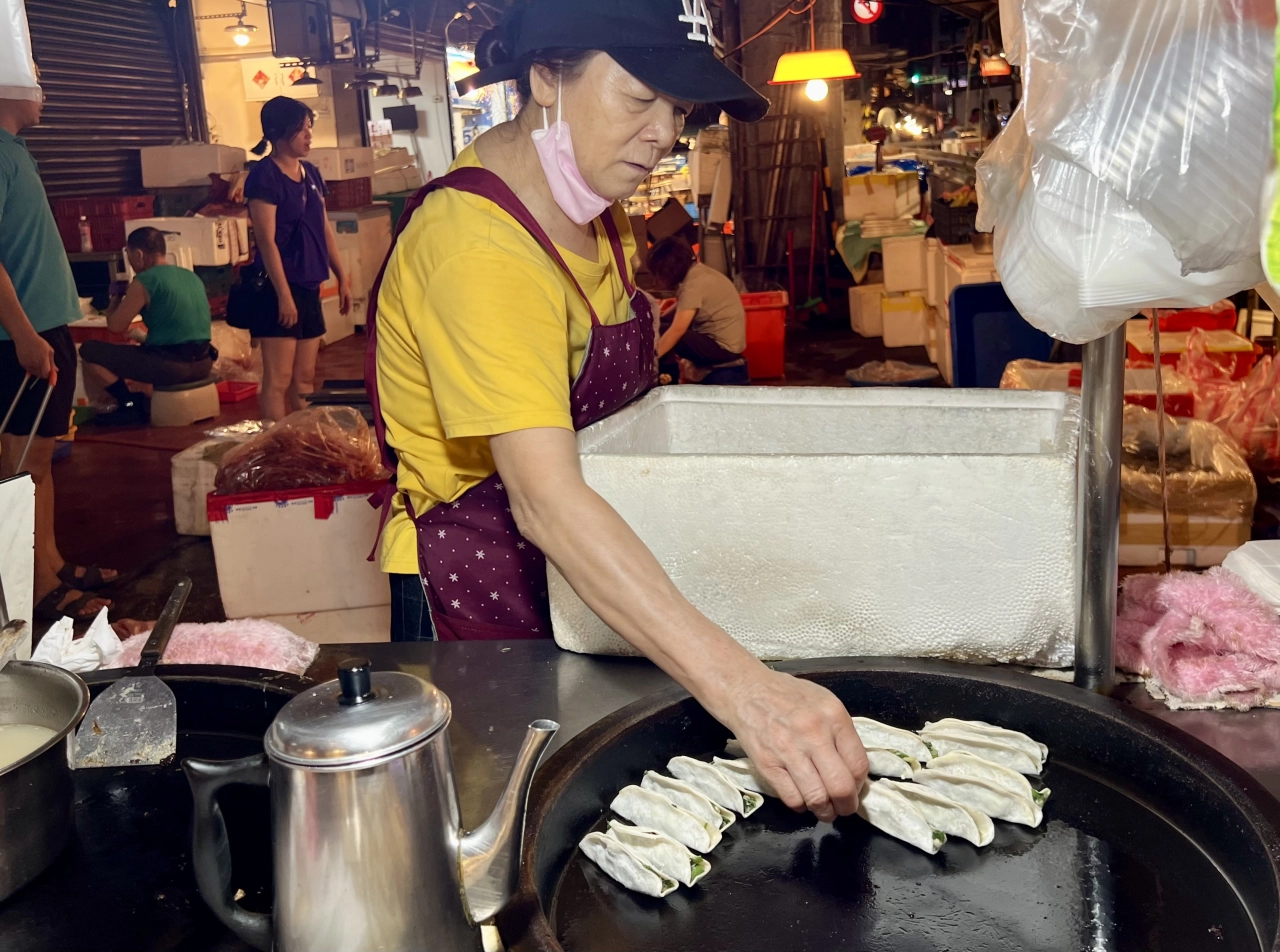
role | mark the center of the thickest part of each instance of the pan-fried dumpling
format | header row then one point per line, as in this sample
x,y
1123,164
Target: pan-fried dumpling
x,y
687,798
624,866
943,813
743,773
983,796
889,811
733,749
891,763
653,811
986,747
1010,738
883,737
661,853
710,782
971,765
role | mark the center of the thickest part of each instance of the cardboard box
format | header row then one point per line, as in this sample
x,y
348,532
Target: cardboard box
x,y
336,165
210,240
1196,540
190,165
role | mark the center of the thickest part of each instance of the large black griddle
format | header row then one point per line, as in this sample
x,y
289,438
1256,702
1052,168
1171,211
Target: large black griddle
x,y
1151,842
124,883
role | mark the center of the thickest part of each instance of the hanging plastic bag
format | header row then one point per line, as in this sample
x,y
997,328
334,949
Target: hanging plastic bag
x,y
17,69
1168,102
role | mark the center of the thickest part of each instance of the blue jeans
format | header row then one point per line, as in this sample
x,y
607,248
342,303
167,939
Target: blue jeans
x,y
410,614
727,377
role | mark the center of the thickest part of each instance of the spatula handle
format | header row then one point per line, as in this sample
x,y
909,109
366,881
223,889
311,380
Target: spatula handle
x,y
153,650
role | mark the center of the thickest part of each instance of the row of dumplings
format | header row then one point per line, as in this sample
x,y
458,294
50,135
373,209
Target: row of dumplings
x,y
673,816
952,778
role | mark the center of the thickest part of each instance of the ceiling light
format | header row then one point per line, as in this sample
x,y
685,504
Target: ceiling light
x,y
371,74
808,65
817,89
388,89
241,32
362,84
306,79
410,92
995,66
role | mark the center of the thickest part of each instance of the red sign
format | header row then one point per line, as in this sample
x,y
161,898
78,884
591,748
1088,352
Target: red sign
x,y
867,11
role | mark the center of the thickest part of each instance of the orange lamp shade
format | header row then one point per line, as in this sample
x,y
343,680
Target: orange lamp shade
x,y
995,66
808,65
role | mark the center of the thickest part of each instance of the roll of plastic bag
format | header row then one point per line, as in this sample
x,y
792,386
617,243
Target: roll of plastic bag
x,y
17,69
1166,101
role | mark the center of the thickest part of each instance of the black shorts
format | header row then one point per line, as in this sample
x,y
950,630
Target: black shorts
x,y
266,322
163,367
57,416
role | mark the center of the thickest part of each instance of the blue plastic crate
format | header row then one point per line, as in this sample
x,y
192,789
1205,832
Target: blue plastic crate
x,y
986,333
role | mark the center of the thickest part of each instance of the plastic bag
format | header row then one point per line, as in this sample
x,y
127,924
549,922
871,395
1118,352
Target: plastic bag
x,y
237,360
1129,175
17,69
320,446
1207,473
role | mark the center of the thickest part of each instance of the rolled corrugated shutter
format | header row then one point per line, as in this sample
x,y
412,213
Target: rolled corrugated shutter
x,y
112,84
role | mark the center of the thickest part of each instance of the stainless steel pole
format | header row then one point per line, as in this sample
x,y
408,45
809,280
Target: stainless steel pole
x,y
1102,424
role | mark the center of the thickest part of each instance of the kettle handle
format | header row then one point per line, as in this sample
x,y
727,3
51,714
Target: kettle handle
x,y
210,849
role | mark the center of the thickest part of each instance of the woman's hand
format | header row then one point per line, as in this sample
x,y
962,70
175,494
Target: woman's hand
x,y
802,740
288,311
35,356
344,296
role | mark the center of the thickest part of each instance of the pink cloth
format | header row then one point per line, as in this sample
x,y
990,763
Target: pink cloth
x,y
1203,638
248,643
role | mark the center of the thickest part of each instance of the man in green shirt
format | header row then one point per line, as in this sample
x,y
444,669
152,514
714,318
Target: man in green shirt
x,y
37,302
175,308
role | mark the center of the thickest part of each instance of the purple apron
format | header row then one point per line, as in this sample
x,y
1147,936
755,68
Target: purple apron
x,y
482,580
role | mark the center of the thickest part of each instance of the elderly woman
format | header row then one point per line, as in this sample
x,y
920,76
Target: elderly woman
x,y
507,319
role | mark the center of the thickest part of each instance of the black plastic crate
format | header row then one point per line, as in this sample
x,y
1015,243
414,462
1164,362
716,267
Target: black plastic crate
x,y
954,226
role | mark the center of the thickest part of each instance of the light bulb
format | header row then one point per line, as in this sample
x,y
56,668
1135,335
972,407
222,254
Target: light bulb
x,y
241,39
816,89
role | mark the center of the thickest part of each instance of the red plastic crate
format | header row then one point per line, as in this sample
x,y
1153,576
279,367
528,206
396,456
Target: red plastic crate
x,y
236,391
107,215
766,334
349,194
1220,316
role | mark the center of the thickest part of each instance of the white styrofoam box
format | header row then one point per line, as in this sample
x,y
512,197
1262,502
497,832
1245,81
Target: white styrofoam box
x,y
864,309
192,476
930,253
296,551
336,165
903,263
189,165
830,522
963,265
337,326
364,239
18,549
888,194
905,318
349,626
209,239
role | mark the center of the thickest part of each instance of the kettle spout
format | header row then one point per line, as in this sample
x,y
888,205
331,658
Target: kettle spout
x,y
490,856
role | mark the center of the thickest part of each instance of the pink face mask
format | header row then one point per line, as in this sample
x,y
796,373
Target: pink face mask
x,y
568,187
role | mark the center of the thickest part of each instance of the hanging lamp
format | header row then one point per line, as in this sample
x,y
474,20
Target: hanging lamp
x,y
814,67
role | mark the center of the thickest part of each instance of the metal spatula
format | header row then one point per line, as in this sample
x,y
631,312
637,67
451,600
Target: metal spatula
x,y
135,721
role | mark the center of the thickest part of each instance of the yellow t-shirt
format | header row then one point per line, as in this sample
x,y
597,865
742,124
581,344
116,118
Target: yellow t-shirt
x,y
480,332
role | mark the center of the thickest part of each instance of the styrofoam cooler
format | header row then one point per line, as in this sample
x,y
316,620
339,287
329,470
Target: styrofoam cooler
x,y
940,318
192,477
210,239
887,194
905,319
827,522
963,265
864,310
931,253
297,551
903,263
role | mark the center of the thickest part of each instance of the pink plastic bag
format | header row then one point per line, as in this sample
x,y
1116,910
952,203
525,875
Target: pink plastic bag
x,y
1247,410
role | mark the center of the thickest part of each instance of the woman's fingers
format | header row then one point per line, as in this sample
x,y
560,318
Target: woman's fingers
x,y
838,780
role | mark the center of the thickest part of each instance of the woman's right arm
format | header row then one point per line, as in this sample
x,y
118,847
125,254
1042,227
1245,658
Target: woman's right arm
x,y
263,216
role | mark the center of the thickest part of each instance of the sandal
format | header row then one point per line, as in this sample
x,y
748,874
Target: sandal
x,y
47,610
90,580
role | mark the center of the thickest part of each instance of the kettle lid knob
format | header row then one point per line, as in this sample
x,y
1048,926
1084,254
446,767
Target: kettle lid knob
x,y
355,676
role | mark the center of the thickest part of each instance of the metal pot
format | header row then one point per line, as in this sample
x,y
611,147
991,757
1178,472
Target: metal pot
x,y
37,793
369,851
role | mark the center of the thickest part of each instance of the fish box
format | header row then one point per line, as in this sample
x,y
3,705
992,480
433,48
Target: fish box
x,y
825,522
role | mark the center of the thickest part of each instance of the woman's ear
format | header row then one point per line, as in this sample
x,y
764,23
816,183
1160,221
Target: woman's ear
x,y
544,85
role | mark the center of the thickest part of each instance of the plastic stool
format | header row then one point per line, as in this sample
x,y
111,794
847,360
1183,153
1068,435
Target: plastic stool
x,y
185,403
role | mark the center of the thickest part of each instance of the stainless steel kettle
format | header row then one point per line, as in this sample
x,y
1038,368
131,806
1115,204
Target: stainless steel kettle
x,y
369,851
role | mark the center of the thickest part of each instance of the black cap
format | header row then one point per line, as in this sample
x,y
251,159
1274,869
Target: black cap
x,y
666,44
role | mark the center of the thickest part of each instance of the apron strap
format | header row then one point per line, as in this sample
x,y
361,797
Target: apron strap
x,y
619,254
